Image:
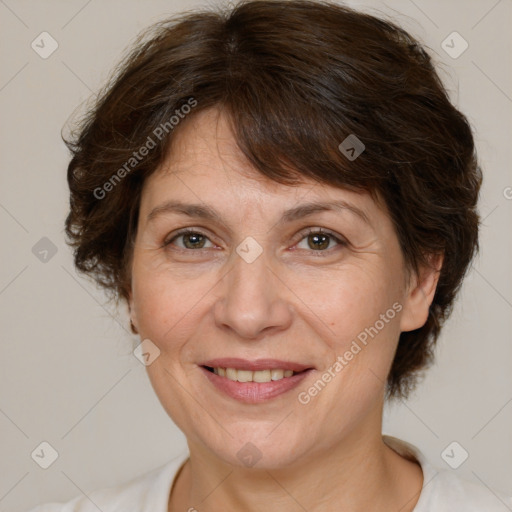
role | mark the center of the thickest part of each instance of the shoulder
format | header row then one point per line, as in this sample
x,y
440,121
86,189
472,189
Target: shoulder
x,y
445,491
148,492
449,492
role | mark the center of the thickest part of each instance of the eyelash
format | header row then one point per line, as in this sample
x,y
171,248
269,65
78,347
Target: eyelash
x,y
310,231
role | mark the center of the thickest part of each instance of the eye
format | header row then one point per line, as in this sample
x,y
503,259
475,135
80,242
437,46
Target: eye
x,y
192,239
316,239
319,240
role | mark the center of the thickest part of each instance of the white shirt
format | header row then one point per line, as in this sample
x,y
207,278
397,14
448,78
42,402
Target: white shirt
x,y
443,490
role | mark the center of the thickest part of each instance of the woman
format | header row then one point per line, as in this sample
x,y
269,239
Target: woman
x,y
285,198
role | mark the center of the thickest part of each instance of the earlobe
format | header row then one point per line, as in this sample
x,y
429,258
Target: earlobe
x,y
420,295
131,312
133,328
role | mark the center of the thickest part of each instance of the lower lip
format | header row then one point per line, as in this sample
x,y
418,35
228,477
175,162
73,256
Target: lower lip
x,y
255,392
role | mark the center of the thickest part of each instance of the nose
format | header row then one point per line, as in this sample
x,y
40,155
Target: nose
x,y
253,300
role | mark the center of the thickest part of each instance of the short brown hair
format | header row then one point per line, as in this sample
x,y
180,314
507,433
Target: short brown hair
x,y
295,78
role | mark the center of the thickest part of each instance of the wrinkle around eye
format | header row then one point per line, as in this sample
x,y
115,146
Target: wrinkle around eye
x,y
158,236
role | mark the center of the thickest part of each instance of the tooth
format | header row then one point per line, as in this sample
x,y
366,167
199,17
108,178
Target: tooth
x,y
276,374
250,376
261,376
244,376
231,373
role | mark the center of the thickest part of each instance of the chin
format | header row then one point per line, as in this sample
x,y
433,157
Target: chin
x,y
248,449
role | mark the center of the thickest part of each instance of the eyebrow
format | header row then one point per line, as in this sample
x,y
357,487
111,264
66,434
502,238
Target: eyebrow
x,y
299,212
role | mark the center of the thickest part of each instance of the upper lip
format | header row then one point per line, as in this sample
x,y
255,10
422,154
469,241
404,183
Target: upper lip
x,y
255,365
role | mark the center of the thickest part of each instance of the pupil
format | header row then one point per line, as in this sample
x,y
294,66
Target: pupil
x,y
194,238
317,238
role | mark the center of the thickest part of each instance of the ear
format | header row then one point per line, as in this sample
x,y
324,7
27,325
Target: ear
x,y
420,294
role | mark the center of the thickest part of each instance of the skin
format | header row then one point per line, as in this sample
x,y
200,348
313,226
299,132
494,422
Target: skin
x,y
291,304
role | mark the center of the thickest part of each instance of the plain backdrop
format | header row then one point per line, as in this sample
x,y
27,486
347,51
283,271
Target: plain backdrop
x,y
68,375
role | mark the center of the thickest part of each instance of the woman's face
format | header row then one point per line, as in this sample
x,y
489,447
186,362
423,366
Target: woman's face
x,y
253,288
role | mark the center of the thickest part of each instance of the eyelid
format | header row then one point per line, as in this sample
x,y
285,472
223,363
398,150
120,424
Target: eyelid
x,y
185,231
323,231
298,238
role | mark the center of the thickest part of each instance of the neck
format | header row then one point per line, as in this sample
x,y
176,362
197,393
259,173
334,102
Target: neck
x,y
359,474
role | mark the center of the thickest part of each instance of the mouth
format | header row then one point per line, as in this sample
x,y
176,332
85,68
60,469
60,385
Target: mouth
x,y
254,381
238,375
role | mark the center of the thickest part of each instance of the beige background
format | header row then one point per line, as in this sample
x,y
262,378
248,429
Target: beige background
x,y
68,376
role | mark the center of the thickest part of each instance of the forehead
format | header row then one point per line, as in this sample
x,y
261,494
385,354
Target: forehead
x,y
204,148
205,165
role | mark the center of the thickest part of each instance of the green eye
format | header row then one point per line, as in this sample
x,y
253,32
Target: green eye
x,y
191,239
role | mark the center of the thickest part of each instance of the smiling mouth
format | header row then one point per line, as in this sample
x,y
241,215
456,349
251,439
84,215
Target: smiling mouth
x,y
261,376
254,382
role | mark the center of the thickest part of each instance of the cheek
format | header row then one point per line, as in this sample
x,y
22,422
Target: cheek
x,y
362,309
166,304
354,299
